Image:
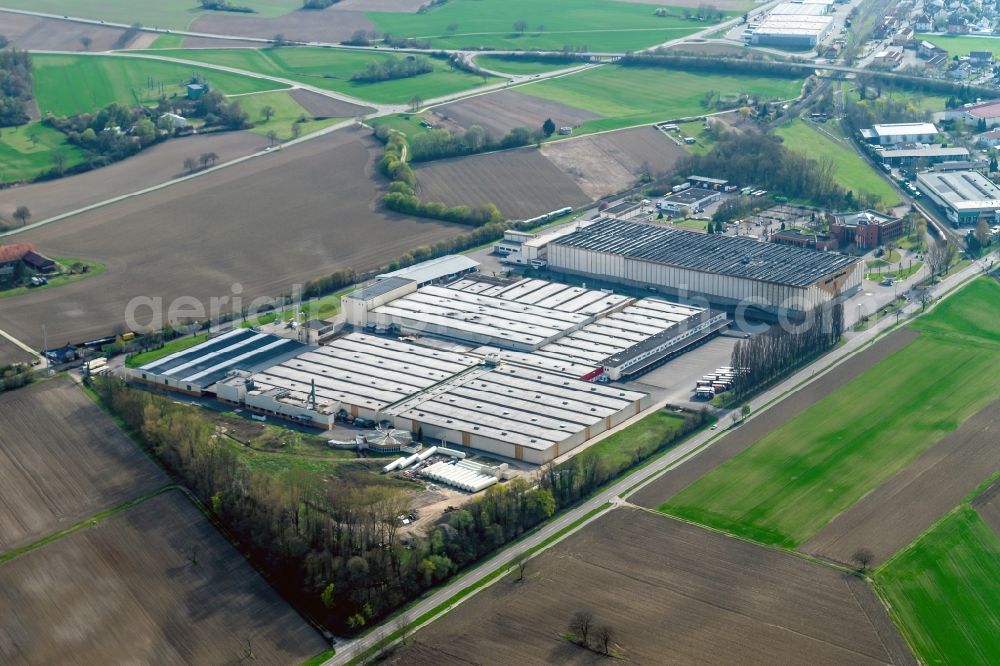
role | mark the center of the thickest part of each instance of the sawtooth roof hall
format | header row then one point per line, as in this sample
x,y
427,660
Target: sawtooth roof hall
x,y
769,278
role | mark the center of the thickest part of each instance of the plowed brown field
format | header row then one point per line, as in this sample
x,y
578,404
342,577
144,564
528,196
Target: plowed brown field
x,y
62,460
152,585
673,593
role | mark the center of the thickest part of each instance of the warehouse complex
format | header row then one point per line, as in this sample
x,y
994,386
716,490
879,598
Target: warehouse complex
x,y
765,279
965,196
507,367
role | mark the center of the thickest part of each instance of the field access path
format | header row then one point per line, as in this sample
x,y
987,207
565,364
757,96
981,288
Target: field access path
x,y
574,519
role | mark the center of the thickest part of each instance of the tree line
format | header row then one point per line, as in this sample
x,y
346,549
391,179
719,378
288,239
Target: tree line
x,y
14,376
402,197
333,548
763,359
393,68
440,143
15,87
720,65
226,6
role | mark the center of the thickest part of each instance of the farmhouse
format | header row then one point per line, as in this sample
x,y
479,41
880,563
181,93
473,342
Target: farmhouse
x,y
766,279
866,229
17,254
965,196
885,135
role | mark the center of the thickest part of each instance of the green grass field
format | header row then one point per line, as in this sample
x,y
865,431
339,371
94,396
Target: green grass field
x,y
172,347
168,42
961,45
628,96
520,65
66,84
331,69
596,24
21,158
176,14
943,589
792,482
850,170
644,435
286,112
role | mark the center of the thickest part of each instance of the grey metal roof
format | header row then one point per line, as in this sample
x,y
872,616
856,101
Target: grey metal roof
x,y
725,255
435,269
239,349
383,286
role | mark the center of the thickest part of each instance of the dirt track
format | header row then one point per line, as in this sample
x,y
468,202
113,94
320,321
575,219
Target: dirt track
x,y
41,34
902,508
62,460
522,183
500,112
156,165
604,164
987,503
674,594
737,440
265,225
127,591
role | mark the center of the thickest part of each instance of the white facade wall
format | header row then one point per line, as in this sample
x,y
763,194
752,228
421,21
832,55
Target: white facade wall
x,y
356,310
723,289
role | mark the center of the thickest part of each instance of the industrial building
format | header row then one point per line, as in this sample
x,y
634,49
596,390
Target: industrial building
x,y
482,402
791,31
800,9
764,279
913,155
433,271
515,412
965,196
866,229
632,340
887,135
693,199
196,370
531,249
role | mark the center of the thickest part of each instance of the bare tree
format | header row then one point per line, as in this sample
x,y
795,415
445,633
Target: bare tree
x,y
296,130
605,635
416,102
203,160
272,137
940,256
190,164
193,558
521,562
520,27
22,214
59,160
267,111
212,157
863,557
85,42
580,625
403,628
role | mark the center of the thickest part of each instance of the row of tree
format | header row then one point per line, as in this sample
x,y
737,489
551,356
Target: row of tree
x,y
763,359
15,376
393,68
226,6
440,143
15,87
334,548
402,197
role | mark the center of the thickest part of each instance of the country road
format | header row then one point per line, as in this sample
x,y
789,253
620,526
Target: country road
x,y
348,650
